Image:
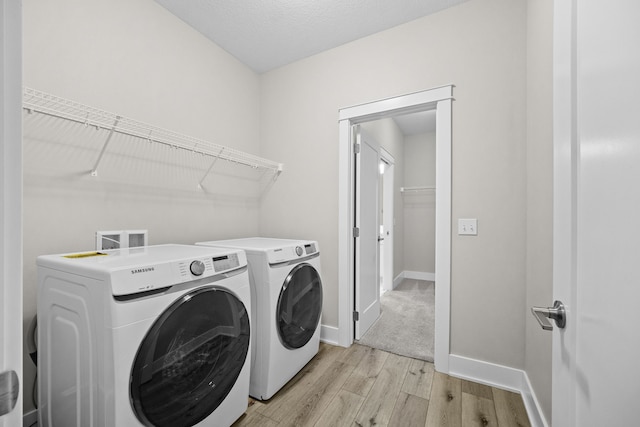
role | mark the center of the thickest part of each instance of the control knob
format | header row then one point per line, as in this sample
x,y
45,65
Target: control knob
x,y
299,250
197,268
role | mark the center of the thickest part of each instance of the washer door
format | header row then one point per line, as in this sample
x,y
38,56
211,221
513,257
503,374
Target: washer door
x,y
299,306
190,359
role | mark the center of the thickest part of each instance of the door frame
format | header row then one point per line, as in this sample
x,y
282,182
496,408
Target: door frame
x,y
440,99
565,179
11,200
388,213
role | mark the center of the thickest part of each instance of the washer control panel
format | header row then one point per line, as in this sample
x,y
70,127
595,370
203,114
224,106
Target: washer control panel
x,y
226,262
197,268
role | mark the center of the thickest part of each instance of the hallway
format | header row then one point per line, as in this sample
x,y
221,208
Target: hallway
x,y
407,320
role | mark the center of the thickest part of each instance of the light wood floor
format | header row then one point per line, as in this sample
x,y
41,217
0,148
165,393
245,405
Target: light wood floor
x,y
362,386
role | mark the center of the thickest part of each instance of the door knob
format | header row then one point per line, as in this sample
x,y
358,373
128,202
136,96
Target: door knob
x,y
557,313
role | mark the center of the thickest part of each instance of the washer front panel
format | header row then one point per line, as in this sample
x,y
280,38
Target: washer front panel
x,y
299,306
190,359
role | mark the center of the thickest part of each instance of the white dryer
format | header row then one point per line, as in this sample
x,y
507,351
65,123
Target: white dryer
x,y
286,291
153,336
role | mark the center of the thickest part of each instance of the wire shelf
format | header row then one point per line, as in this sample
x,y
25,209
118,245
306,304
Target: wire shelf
x,y
44,103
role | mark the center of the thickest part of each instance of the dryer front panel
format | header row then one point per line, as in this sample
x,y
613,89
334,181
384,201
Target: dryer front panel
x,y
299,306
190,359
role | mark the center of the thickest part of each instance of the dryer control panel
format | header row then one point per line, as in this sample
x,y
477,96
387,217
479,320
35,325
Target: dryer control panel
x,y
293,252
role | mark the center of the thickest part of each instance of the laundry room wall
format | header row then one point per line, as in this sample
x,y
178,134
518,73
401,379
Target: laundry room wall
x,y
420,206
135,59
390,137
480,47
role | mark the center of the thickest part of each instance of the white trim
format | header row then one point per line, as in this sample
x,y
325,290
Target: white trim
x,y
487,373
30,418
501,377
388,216
443,236
564,384
11,295
399,278
419,275
396,105
440,99
531,402
329,334
345,240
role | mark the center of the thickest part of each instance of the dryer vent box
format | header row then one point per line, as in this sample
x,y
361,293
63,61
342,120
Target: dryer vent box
x,y
121,239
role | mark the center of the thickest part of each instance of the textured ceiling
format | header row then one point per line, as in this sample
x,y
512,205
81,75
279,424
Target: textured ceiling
x,y
267,34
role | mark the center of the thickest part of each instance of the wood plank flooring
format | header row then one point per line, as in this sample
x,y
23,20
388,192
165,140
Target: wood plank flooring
x,y
361,386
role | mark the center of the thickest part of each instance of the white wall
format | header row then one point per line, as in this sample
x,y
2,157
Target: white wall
x,y
480,46
420,207
133,58
539,194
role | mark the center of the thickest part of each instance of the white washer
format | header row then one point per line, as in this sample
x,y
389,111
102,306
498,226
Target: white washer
x,y
154,336
286,292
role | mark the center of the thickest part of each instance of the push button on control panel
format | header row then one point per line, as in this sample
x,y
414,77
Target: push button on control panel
x,y
197,268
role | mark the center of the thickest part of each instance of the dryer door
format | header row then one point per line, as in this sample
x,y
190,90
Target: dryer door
x,y
190,359
299,306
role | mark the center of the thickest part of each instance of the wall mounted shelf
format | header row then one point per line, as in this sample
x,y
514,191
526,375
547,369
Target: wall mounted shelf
x,y
44,103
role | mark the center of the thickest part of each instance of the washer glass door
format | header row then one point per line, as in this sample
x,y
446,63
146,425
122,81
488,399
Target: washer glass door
x,y
190,359
299,306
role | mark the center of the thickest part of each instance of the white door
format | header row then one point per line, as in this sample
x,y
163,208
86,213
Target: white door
x,y
10,214
367,268
386,244
596,380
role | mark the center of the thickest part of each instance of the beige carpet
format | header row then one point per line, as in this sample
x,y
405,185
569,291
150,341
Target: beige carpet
x,y
406,322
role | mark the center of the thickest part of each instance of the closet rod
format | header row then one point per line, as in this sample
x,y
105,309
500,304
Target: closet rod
x,y
415,189
55,106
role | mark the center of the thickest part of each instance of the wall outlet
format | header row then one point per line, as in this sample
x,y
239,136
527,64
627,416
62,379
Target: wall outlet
x,y
121,239
467,227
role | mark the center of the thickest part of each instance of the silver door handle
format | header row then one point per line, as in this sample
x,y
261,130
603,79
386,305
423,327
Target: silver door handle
x,y
557,313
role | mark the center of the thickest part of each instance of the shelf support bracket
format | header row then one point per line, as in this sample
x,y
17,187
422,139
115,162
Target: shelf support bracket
x,y
278,171
210,167
94,171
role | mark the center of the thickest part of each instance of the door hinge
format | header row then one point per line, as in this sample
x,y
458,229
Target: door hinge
x,y
356,232
9,391
356,148
356,316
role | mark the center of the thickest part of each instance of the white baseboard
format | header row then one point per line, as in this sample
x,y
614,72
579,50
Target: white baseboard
x,y
414,275
329,334
536,416
419,275
501,377
398,279
30,418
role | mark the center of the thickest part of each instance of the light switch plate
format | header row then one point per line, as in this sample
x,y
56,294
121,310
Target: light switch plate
x,y
467,227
